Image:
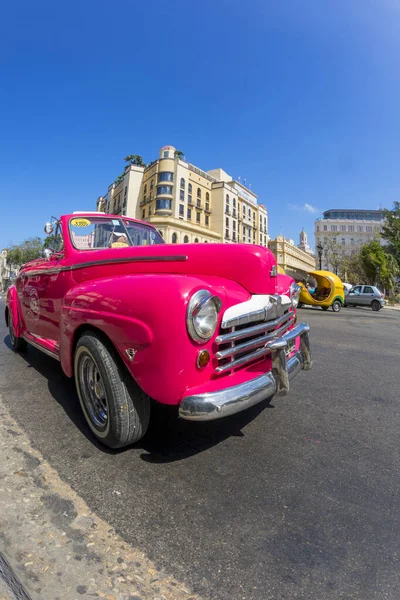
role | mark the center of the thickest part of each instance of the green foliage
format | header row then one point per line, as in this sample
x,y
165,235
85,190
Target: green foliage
x,y
378,264
20,254
391,230
179,154
49,241
119,178
135,159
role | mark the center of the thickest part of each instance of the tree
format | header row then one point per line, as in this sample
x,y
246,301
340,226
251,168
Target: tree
x,y
335,254
135,159
179,154
391,230
378,264
49,241
20,254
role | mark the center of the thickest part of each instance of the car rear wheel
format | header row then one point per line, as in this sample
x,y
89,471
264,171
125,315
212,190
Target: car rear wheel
x,y
336,306
17,343
375,305
115,408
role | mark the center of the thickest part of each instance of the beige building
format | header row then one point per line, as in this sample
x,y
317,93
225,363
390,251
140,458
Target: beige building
x,y
289,257
4,271
187,204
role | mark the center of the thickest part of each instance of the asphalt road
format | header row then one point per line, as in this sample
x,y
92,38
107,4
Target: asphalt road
x,y
298,498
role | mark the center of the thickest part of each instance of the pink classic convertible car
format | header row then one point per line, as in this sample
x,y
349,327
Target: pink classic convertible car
x,y
211,328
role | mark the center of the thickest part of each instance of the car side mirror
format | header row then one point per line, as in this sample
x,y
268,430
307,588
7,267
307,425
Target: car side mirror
x,y
49,228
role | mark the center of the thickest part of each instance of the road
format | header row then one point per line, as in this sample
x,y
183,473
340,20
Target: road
x,y
298,498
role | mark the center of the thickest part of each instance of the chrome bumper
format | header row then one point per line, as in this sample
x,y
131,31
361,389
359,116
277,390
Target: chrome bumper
x,y
215,405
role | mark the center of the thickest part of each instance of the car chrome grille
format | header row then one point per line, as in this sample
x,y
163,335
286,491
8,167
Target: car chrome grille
x,y
241,345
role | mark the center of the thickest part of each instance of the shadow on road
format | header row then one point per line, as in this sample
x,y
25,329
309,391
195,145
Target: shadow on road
x,y
168,439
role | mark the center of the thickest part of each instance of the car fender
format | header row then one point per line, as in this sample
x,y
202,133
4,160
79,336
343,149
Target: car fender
x,y
13,306
144,316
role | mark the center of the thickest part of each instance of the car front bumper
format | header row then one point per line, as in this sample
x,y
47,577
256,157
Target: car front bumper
x,y
222,403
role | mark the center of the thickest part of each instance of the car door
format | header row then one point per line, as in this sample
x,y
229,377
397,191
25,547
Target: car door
x,y
353,297
367,295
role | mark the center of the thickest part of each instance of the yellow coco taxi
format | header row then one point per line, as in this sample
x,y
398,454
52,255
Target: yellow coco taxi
x,y
329,291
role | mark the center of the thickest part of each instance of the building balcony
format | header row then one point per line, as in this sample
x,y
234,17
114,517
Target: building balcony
x,y
163,212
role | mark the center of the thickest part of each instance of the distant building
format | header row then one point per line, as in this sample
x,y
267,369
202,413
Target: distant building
x,y
187,204
292,259
347,227
303,245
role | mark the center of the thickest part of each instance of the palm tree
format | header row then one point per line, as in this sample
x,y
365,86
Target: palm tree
x,y
135,159
179,154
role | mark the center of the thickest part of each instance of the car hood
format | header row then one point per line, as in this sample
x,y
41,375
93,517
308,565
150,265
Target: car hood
x,y
251,266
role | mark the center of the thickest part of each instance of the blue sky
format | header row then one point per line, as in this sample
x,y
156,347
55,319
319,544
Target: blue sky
x,y
301,98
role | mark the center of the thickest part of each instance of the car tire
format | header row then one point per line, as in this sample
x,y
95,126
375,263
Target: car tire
x,y
17,343
336,306
375,305
115,408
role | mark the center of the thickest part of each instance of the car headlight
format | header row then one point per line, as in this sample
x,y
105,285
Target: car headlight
x,y
202,315
295,290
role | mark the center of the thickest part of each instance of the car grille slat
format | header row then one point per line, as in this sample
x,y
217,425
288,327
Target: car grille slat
x,y
245,344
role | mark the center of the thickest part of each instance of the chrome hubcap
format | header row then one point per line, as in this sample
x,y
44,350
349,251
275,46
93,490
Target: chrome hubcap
x,y
93,392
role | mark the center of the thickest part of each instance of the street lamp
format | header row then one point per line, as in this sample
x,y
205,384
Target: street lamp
x,y
320,250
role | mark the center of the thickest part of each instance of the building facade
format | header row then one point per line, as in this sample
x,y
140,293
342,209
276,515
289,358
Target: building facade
x,y
348,228
291,258
4,271
187,204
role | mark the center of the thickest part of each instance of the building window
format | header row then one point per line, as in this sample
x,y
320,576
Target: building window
x,y
207,206
234,236
227,198
207,220
163,204
207,197
198,202
344,241
369,229
151,184
198,192
234,201
160,231
351,241
197,217
343,228
150,210
165,176
125,191
181,210
196,240
234,225
144,189
145,198
244,240
182,195
333,227
317,228
166,154
334,240
143,214
227,208
190,188
174,238
227,234
186,239
351,227
182,184
226,221
244,211
190,199
360,228
189,214
164,190
325,227
265,240
249,213
234,212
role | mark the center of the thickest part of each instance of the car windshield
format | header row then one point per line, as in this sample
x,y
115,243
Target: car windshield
x,y
93,233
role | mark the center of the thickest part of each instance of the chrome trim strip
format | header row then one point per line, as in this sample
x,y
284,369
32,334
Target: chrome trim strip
x,y
252,344
231,400
40,347
270,346
276,307
254,330
110,261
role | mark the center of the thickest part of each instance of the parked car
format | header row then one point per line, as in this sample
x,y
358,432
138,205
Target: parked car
x,y
211,328
365,295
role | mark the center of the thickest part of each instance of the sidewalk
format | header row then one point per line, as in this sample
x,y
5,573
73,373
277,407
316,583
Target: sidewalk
x,y
56,547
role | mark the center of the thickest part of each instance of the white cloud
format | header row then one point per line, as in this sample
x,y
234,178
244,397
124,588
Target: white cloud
x,y
308,208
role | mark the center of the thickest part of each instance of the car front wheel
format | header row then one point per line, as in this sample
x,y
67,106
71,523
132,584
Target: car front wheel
x,y
336,306
115,408
375,305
